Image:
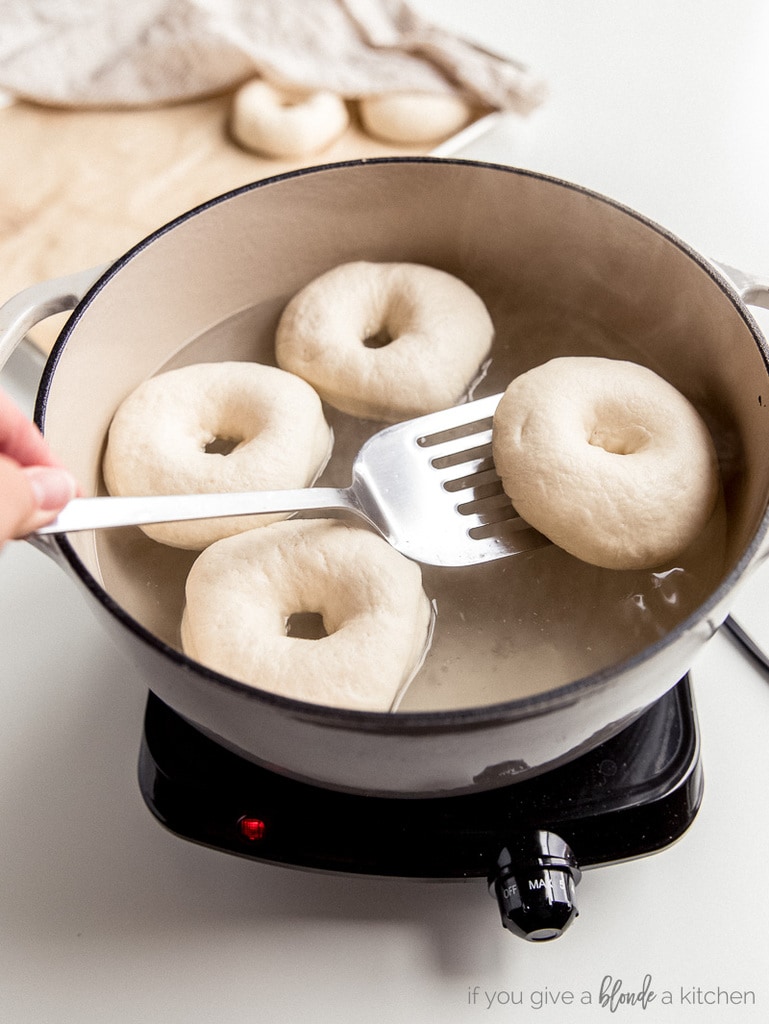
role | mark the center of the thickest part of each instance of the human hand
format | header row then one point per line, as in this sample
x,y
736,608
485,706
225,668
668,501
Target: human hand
x,y
34,486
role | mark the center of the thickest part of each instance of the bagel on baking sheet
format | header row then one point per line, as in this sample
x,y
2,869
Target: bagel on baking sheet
x,y
607,459
413,117
212,428
385,341
242,593
284,122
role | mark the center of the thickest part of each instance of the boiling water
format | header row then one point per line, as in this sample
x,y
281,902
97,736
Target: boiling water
x,y
503,630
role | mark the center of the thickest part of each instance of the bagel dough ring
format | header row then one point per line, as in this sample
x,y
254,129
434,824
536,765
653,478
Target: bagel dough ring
x,y
158,438
286,122
413,117
242,591
385,341
607,459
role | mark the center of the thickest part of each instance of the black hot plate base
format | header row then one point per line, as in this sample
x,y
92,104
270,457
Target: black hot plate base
x,y
633,795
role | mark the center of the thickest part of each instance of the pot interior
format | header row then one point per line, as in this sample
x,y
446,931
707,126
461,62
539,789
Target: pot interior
x,y
562,271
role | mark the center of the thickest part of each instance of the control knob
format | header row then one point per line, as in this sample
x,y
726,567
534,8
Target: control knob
x,y
534,880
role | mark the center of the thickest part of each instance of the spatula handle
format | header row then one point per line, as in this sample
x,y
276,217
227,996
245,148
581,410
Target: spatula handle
x,y
106,512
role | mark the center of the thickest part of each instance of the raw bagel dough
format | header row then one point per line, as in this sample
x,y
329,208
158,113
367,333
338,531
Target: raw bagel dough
x,y
242,591
413,117
385,341
158,438
607,459
285,122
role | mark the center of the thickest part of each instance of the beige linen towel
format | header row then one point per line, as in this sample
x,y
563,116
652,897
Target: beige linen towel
x,y
152,52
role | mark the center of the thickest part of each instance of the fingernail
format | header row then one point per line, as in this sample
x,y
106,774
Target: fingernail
x,y
53,487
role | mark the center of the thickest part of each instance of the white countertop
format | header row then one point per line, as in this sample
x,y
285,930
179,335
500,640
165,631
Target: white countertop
x,y
106,917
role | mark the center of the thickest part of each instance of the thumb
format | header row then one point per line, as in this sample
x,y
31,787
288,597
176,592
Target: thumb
x,y
52,487
30,497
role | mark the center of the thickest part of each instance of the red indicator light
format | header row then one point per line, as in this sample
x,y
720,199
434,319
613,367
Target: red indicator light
x,y
252,828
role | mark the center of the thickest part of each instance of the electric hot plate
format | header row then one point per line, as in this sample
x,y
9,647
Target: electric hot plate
x,y
633,795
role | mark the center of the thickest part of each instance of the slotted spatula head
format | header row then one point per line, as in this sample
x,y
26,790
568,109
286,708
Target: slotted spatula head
x,y
430,487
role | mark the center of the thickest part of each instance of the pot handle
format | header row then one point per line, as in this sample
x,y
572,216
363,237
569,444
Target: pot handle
x,y
39,301
752,289
27,308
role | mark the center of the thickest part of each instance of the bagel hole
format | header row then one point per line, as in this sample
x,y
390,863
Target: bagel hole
x,y
221,445
623,441
306,626
378,339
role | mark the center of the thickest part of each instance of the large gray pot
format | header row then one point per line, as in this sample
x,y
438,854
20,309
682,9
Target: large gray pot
x,y
563,271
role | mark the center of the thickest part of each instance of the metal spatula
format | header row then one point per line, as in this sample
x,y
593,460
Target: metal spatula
x,y
428,485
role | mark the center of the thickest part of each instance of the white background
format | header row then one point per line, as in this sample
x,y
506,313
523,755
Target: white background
x,y
105,917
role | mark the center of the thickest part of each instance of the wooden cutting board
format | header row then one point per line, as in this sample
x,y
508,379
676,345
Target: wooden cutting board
x,y
80,187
